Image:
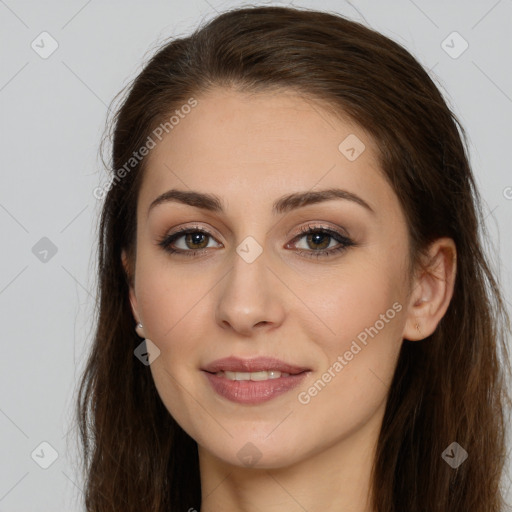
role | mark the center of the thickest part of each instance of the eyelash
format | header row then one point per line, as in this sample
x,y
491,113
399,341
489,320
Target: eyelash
x,y
344,242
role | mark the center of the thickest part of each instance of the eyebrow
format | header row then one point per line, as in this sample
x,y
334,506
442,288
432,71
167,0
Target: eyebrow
x,y
214,203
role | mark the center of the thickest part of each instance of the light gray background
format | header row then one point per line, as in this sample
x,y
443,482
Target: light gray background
x,y
52,117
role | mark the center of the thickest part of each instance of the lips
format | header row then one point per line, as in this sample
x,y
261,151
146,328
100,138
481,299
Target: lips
x,y
258,364
253,381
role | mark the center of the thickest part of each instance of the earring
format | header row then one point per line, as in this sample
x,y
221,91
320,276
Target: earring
x,y
138,326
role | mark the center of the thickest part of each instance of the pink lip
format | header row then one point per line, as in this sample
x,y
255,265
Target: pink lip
x,y
253,392
257,364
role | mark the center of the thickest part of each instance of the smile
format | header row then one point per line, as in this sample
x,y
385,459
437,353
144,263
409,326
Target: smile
x,y
254,376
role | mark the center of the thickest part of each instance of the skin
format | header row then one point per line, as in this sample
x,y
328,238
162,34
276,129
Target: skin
x,y
250,150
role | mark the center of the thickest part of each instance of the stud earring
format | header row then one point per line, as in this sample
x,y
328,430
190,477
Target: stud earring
x,y
139,326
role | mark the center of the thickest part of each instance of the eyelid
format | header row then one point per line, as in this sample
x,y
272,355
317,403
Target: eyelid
x,y
194,227
343,240
311,225
321,225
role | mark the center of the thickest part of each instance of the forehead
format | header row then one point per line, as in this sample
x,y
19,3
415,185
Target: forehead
x,y
254,146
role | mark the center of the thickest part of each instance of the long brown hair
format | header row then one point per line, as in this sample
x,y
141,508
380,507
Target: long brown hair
x,y
449,387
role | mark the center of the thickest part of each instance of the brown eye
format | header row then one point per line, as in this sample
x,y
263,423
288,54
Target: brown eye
x,y
319,242
186,241
197,239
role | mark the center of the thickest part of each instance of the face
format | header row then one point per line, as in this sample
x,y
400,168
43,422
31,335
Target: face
x,y
318,285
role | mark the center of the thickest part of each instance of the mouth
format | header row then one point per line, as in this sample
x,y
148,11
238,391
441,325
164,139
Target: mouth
x,y
252,381
254,376
258,368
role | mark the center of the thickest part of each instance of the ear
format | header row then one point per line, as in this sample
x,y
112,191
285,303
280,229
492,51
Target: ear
x,y
432,290
128,268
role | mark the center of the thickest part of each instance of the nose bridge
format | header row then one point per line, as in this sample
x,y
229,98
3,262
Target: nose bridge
x,y
250,265
249,295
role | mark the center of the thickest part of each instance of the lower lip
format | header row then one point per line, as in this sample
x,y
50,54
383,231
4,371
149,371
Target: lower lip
x,y
253,392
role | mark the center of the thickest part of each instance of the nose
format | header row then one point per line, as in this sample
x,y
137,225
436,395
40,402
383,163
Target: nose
x,y
251,298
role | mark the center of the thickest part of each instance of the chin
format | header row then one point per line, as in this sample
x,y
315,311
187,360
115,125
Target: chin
x,y
253,452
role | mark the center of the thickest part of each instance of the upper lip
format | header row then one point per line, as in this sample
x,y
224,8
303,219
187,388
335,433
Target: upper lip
x,y
256,364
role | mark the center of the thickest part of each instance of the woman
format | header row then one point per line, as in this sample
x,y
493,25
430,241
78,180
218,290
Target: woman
x,y
295,309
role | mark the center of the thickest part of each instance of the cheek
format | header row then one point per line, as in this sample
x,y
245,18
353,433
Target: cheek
x,y
167,298
358,299
352,383
362,315
173,307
